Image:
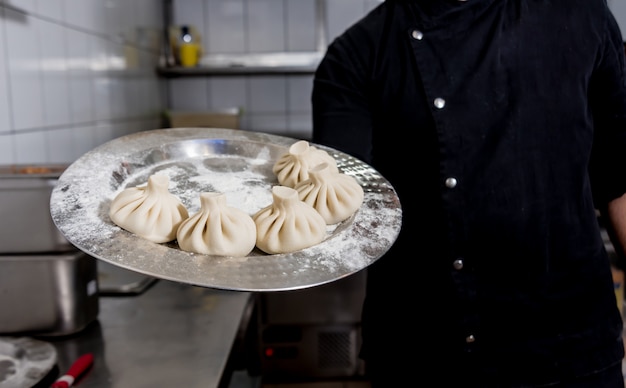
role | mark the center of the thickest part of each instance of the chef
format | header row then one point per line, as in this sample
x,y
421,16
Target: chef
x,y
502,126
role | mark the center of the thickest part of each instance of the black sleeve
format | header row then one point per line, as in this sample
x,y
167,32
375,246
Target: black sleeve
x,y
607,93
342,116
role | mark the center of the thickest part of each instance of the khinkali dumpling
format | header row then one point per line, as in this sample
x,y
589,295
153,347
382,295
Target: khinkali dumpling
x,y
149,211
288,224
334,195
217,229
293,166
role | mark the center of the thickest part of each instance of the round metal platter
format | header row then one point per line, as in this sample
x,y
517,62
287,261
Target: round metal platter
x,y
24,361
239,164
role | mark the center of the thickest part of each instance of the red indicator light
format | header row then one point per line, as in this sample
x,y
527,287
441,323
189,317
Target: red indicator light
x,y
269,352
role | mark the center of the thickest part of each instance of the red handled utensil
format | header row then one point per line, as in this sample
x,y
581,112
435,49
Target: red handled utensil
x,y
78,368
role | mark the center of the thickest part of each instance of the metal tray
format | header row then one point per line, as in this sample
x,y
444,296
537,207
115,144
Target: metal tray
x,y
239,164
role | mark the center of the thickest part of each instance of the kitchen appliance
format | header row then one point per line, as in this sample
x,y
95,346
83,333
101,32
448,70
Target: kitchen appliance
x,y
312,334
47,286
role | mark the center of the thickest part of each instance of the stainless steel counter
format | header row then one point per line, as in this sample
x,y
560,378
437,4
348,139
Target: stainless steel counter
x,y
171,335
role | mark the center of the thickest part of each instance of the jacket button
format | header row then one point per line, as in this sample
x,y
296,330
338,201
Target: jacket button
x,y
416,34
470,338
451,183
458,264
439,102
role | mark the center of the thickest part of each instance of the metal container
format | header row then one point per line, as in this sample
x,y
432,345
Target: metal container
x,y
54,294
47,285
27,226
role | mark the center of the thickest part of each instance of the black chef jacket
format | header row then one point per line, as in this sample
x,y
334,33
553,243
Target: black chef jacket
x,y
487,117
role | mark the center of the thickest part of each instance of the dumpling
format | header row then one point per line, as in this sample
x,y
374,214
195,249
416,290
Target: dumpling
x,y
217,229
334,195
288,224
149,211
293,166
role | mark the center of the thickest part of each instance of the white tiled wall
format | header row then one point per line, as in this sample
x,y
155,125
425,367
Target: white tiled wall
x,y
75,74
618,7
270,103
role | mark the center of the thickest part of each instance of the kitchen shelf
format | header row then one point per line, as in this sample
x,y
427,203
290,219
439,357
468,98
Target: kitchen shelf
x,y
271,63
278,63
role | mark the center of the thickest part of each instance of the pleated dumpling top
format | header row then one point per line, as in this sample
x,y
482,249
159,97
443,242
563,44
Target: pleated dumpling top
x,y
288,224
336,196
150,211
217,229
293,166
